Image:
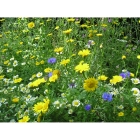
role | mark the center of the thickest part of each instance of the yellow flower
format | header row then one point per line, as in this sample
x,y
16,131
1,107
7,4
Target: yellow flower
x,y
134,109
84,52
71,20
103,25
47,70
70,40
123,57
49,34
57,72
116,79
38,107
64,62
120,114
24,119
58,50
31,25
138,56
6,62
57,27
37,63
99,34
18,80
1,76
53,78
132,74
41,106
42,62
90,84
20,43
15,100
82,67
102,77
4,50
67,31
0,35
84,26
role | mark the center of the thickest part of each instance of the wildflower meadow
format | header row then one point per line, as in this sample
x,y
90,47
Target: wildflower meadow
x,y
69,69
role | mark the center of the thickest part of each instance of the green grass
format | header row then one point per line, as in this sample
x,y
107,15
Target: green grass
x,y
32,47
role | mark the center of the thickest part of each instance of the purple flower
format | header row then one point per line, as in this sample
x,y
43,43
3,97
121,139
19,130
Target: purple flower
x,y
88,107
72,85
125,74
52,60
50,74
107,96
109,20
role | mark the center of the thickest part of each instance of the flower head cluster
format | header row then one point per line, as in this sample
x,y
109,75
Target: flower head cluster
x,y
37,82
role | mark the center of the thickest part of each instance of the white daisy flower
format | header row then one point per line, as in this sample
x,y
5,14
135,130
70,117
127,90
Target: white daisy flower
x,y
135,81
76,103
39,74
15,63
136,91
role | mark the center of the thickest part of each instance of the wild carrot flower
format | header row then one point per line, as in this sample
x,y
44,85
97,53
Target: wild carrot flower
x,y
82,67
31,25
84,52
90,84
107,96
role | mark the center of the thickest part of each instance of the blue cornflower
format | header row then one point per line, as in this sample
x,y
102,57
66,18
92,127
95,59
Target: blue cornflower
x,y
107,96
50,74
125,74
52,60
88,107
